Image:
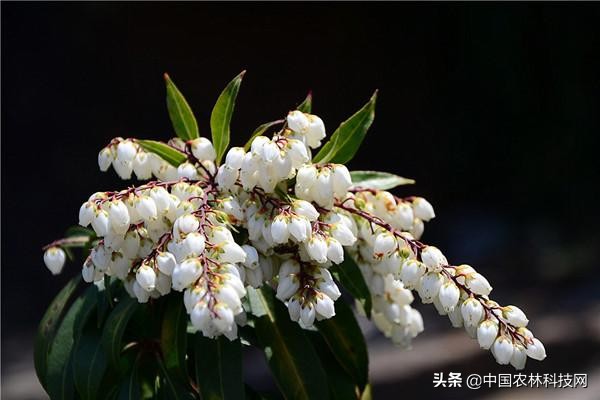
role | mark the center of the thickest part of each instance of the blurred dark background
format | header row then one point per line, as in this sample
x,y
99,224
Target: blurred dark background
x,y
492,108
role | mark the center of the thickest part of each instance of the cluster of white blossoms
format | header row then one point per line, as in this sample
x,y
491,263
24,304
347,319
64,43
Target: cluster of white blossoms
x,y
394,263
293,221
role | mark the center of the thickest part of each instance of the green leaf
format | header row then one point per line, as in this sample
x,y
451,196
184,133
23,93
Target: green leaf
x,y
306,105
378,180
164,151
290,355
48,326
341,385
220,118
181,114
347,343
89,365
60,373
261,130
347,138
349,276
112,334
173,338
130,387
219,368
174,389
77,230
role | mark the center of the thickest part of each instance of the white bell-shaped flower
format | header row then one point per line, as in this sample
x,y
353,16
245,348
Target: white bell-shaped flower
x,y
55,258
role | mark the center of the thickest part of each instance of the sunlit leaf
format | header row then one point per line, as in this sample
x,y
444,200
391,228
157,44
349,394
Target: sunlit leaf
x,y
347,138
182,117
378,180
164,151
220,118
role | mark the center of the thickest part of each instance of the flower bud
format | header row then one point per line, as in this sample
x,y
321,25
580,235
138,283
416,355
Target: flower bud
x,y
519,357
287,286
193,244
251,261
299,228
317,248
235,157
335,251
126,151
279,229
226,176
536,350
515,316
503,350
384,244
304,208
307,314
146,207
142,166
86,213
472,311
411,272
186,273
118,216
433,258
423,209
165,262
324,306
297,121
203,149
478,284
341,180
100,223
232,253
487,333
224,317
55,258
430,286
187,170
146,277
315,131
105,158
449,294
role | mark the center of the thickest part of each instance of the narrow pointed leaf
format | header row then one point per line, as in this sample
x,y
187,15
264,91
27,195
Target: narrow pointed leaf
x,y
306,105
112,334
349,276
220,119
346,342
290,355
378,180
341,384
173,338
182,117
219,368
347,138
130,388
60,373
89,365
48,326
164,151
261,130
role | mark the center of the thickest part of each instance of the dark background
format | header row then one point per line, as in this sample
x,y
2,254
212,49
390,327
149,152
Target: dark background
x,y
493,109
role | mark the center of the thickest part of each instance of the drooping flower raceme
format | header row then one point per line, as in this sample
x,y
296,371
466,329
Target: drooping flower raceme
x,y
270,215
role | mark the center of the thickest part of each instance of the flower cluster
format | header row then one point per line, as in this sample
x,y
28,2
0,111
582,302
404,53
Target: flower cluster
x,y
395,263
295,219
